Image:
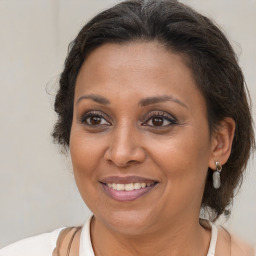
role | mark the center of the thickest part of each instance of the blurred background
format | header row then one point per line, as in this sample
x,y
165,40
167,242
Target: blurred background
x,y
37,189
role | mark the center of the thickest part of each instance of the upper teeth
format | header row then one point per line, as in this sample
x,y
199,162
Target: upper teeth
x,y
128,187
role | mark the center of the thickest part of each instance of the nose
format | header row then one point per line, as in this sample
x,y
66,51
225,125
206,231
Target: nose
x,y
125,148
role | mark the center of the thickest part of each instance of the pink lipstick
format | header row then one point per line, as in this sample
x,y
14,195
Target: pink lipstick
x,y
127,188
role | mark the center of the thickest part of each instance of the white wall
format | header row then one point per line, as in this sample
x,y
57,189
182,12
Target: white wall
x,y
37,191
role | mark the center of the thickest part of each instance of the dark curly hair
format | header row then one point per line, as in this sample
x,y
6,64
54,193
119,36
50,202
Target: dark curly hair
x,y
208,54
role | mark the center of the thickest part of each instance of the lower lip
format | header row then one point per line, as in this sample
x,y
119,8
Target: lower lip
x,y
125,196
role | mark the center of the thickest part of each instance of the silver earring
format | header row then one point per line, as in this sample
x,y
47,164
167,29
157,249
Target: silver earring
x,y
216,175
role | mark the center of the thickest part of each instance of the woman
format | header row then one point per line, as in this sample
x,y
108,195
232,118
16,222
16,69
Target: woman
x,y
152,106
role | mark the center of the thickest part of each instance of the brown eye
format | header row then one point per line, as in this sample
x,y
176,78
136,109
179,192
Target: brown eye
x,y
157,121
95,120
160,119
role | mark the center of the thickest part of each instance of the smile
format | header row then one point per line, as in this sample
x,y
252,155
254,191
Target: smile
x,y
127,188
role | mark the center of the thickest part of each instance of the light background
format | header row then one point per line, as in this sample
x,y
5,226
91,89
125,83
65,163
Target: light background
x,y
37,191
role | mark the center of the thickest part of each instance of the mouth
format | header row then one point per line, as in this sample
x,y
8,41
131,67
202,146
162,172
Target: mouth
x,y
127,188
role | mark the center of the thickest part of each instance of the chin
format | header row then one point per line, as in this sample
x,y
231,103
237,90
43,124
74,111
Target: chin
x,y
127,222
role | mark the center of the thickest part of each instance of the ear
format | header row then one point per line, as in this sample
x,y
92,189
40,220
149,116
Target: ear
x,y
221,142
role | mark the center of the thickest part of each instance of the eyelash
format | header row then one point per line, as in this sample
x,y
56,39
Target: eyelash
x,y
165,116
90,114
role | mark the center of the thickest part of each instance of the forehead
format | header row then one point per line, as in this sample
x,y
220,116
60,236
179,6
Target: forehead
x,y
141,68
134,56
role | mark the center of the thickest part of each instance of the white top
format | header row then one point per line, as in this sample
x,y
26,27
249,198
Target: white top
x,y
43,245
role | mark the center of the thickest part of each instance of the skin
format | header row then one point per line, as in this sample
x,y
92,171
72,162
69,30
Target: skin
x,y
126,142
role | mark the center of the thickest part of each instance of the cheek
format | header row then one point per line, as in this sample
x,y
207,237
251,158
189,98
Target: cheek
x,y
184,156
183,163
83,149
86,154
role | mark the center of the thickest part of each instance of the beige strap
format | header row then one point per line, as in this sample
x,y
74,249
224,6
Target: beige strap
x,y
64,242
223,246
229,240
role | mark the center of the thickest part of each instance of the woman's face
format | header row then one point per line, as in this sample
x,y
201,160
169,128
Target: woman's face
x,y
140,142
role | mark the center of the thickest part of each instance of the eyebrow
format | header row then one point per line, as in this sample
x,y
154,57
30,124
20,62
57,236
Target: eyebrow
x,y
143,102
160,99
96,98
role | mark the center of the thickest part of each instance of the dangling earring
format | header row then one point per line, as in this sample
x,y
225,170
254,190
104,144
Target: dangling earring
x,y
216,175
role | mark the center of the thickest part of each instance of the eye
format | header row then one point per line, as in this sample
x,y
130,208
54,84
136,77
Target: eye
x,y
160,119
94,119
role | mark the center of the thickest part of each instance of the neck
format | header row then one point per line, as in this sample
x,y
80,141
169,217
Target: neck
x,y
181,238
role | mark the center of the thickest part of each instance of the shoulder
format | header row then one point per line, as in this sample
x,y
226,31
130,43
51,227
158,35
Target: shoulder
x,y
232,245
241,248
41,245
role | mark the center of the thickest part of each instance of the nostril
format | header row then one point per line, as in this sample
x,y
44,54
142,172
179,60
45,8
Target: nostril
x,y
133,162
122,164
